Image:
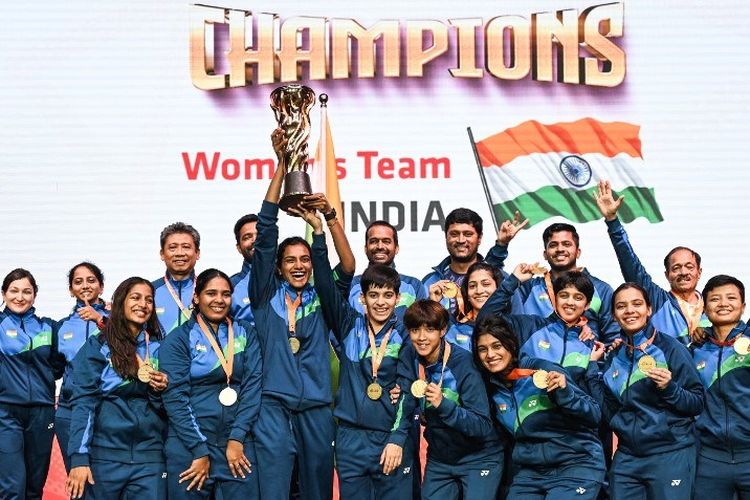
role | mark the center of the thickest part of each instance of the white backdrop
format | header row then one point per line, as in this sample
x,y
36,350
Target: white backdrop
x,y
98,107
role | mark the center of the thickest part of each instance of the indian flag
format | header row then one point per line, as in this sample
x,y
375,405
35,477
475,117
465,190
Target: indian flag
x,y
548,170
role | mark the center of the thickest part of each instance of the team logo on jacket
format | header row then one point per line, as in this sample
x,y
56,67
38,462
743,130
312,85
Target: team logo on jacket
x,y
67,335
543,344
502,407
700,365
543,296
201,348
11,333
462,339
246,300
615,373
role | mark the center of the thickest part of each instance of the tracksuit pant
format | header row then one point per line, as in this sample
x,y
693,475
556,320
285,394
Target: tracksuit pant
x,y
476,481
26,434
662,476
721,480
62,431
220,481
361,475
280,436
553,483
125,481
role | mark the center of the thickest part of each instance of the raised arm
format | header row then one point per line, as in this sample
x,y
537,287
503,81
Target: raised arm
x,y
508,230
263,284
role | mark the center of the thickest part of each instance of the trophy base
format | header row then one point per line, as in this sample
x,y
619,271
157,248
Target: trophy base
x,y
296,187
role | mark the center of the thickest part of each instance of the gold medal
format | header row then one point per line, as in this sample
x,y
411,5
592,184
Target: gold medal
x,y
540,379
374,391
451,290
144,373
228,396
646,363
418,388
294,344
537,270
742,345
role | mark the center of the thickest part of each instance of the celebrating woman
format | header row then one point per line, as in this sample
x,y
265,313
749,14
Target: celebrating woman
x,y
214,368
557,453
723,363
85,282
116,432
650,393
27,390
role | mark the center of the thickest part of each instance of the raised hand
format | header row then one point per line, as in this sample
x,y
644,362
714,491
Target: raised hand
x,y
509,229
606,202
523,272
309,215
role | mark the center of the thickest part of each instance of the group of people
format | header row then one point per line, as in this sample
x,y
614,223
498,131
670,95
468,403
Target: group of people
x,y
210,386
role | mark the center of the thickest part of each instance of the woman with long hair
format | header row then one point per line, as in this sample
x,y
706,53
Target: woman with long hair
x,y
215,371
557,453
86,283
28,368
650,393
116,434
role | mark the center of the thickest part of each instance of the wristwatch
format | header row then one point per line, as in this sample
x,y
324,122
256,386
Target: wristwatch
x,y
330,215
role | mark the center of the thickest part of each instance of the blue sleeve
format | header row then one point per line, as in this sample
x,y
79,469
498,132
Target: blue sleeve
x,y
343,281
685,393
598,390
630,265
88,366
497,255
250,387
263,284
175,361
609,330
338,314
473,418
57,359
575,403
524,325
407,404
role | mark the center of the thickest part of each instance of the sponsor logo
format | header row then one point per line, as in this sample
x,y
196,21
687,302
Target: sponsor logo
x,y
67,335
159,310
533,403
484,472
580,490
11,333
407,470
51,425
201,348
543,344
676,482
701,365
163,475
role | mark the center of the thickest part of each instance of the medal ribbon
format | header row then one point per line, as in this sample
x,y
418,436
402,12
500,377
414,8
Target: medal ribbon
x,y
377,353
147,359
226,363
446,355
519,373
185,311
643,345
691,312
291,311
728,343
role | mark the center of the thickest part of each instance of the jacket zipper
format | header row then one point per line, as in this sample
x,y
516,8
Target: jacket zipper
x,y
31,354
726,405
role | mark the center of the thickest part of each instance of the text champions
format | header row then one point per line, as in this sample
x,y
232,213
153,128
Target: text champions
x,y
263,48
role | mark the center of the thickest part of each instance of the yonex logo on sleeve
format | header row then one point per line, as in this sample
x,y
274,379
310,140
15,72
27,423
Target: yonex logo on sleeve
x,y
580,490
407,470
484,472
676,482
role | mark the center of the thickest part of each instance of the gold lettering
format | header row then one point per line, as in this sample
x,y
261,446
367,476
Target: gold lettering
x,y
292,54
558,30
202,19
343,34
612,58
519,53
416,54
466,30
241,56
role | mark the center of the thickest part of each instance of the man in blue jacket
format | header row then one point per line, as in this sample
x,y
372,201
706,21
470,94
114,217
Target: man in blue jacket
x,y
245,233
678,312
180,250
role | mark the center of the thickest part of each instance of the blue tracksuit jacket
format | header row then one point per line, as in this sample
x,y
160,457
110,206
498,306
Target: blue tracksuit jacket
x,y
353,406
114,419
724,426
29,363
557,429
303,380
195,379
647,420
460,334
166,308
241,309
459,431
411,290
667,316
547,338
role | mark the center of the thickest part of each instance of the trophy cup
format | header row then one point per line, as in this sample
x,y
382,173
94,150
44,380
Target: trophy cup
x,y
291,105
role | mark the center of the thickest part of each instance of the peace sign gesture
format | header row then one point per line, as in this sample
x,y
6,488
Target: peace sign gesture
x,y
509,229
606,202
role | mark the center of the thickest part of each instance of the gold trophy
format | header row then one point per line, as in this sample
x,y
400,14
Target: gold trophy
x,y
291,105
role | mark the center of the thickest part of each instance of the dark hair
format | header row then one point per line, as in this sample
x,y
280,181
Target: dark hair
x,y
496,273
721,280
426,312
559,227
288,242
696,256
464,216
19,274
180,228
576,279
245,219
502,331
116,334
384,224
203,278
91,267
381,276
635,286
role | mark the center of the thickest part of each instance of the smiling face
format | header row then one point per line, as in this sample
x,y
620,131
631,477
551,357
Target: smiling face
x,y
85,286
492,354
381,245
179,254
462,242
724,305
246,246
296,266
561,251
19,297
480,285
380,302
570,304
683,272
138,306
215,300
426,341
631,310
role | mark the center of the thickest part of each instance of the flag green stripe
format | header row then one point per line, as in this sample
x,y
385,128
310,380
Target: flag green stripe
x,y
578,205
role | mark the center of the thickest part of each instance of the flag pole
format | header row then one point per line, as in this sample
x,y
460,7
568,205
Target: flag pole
x,y
481,176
